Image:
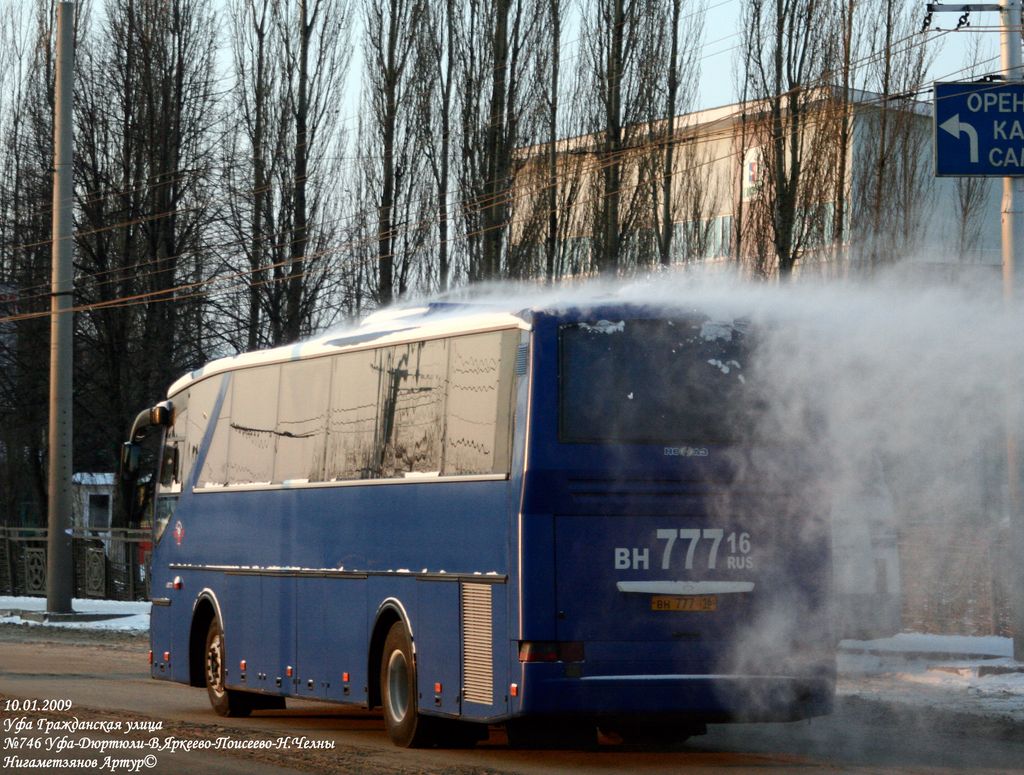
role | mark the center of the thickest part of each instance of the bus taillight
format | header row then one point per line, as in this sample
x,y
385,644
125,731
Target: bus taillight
x,y
550,651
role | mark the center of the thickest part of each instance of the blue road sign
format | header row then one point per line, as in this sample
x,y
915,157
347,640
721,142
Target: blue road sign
x,y
979,129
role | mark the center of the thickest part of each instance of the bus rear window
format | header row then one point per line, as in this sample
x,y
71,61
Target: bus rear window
x,y
653,381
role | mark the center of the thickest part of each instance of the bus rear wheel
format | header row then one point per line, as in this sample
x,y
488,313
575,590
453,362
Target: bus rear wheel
x,y
405,726
225,702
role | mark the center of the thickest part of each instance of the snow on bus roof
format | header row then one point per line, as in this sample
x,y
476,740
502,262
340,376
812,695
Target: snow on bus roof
x,y
492,307
394,325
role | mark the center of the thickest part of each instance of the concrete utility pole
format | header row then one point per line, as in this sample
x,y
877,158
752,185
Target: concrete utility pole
x,y
1013,241
59,573
1013,187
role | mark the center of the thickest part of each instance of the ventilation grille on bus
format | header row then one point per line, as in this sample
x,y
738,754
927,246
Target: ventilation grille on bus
x,y
477,644
522,356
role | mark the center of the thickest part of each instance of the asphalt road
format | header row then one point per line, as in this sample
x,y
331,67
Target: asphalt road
x,y
121,721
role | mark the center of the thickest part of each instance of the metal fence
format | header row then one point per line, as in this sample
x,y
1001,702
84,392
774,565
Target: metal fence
x,y
108,564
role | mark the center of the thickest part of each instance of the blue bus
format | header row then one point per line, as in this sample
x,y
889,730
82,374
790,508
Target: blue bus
x,y
468,516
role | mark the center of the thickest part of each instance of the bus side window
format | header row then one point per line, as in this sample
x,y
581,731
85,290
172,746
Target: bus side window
x,y
478,420
202,401
352,424
252,442
439,407
413,409
302,421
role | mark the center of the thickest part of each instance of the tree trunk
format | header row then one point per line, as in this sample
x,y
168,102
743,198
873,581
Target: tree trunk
x,y
294,292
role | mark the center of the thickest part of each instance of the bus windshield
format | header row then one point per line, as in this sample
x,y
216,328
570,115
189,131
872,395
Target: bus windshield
x,y
653,381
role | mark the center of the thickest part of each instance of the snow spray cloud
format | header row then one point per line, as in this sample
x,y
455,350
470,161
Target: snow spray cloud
x,y
902,397
915,380
891,401
904,388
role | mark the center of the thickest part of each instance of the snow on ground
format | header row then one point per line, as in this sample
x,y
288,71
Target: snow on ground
x,y
127,616
956,673
916,642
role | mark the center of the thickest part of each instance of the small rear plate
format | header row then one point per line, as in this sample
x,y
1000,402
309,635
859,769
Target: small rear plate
x,y
684,603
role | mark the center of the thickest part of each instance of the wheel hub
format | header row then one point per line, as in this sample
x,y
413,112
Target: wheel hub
x,y
398,686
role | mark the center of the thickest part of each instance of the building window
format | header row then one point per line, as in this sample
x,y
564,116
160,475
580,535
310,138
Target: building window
x,y
99,511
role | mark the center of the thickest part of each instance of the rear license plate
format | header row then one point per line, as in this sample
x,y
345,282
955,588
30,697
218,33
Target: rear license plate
x,y
684,603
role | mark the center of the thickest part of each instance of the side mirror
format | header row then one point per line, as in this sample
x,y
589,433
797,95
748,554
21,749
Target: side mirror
x,y
161,414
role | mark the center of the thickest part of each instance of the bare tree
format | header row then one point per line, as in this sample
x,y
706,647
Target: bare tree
x,y
548,172
696,203
25,186
437,57
496,89
498,144
315,40
682,68
283,162
146,119
622,75
393,160
256,51
840,119
554,27
787,44
896,181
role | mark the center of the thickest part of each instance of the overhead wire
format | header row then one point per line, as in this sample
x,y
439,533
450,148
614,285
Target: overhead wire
x,y
632,150
92,196
627,151
169,178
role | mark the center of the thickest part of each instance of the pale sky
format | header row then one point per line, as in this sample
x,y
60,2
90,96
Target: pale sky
x,y
722,39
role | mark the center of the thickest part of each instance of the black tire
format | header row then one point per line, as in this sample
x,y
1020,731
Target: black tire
x,y
402,719
225,702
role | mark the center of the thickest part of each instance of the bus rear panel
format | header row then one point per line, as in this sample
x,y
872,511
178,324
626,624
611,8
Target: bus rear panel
x,y
682,573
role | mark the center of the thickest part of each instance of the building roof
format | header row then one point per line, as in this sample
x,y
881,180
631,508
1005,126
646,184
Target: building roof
x,y
93,479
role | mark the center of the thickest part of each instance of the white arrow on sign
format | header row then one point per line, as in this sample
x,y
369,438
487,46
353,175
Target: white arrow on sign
x,y
955,127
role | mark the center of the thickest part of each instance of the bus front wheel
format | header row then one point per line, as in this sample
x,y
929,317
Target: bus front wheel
x,y
225,702
405,726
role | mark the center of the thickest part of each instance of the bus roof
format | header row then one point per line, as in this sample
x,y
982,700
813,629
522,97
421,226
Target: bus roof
x,y
395,325
437,319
